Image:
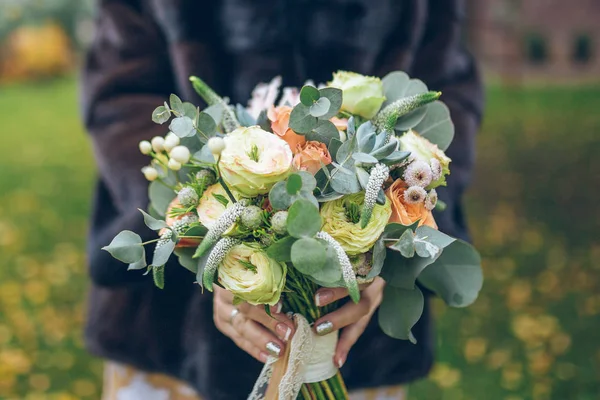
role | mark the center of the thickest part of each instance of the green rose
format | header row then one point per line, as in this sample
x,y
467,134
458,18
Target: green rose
x,y
254,160
422,149
252,276
345,228
362,95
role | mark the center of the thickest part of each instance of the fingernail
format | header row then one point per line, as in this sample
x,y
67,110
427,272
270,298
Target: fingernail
x,y
278,307
263,356
323,297
324,328
273,349
283,331
340,362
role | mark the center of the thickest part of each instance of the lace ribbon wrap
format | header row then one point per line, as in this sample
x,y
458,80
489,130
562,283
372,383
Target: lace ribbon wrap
x,y
308,358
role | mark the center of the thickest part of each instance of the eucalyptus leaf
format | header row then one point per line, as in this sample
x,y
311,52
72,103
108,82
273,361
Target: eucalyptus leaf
x,y
207,126
437,126
364,158
410,120
140,264
293,184
401,272
184,255
396,157
190,110
324,132
399,311
303,219
308,180
153,223
384,151
331,272
434,236
244,118
301,121
334,96
182,127
176,104
379,256
160,197
162,253
126,247
309,95
216,111
334,145
308,255
279,198
320,107
344,181
281,250
406,244
366,136
161,115
363,177
456,275
158,274
204,155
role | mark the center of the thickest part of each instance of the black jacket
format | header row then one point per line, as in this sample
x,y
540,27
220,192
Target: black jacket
x,y
146,49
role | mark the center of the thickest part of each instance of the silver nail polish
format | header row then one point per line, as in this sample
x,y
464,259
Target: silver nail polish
x,y
324,328
273,349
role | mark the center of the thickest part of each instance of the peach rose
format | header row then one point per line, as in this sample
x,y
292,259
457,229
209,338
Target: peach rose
x,y
340,123
170,220
407,214
310,156
280,121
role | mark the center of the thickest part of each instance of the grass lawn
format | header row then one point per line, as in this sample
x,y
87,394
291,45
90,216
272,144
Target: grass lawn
x,y
534,215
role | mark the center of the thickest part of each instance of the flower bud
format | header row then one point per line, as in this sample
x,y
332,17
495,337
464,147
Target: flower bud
x,y
145,147
158,144
150,173
171,141
188,197
252,217
174,165
279,222
181,154
207,175
216,145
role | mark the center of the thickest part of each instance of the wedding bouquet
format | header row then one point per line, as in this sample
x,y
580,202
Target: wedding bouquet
x,y
332,187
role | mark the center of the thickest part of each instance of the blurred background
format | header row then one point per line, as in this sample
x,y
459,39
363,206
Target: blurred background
x,y
533,207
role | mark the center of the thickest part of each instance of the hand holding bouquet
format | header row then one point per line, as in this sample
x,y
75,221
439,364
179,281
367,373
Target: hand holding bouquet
x,y
333,187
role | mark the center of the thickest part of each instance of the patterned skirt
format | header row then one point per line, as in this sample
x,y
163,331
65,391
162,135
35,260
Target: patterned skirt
x,y
123,382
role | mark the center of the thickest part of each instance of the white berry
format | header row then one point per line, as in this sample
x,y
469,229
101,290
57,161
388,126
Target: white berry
x,y
181,154
216,145
145,147
174,165
171,140
158,144
150,173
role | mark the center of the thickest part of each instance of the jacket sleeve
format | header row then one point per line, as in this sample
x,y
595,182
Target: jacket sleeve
x,y
441,61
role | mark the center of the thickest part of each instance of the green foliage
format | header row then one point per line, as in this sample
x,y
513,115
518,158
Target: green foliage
x,y
399,312
158,275
311,116
160,197
437,126
303,219
281,249
161,115
183,127
308,255
162,253
126,247
153,223
309,95
281,199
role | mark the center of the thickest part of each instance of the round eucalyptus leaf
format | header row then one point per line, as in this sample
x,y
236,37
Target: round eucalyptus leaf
x,y
334,96
206,125
161,114
301,121
176,104
126,247
320,107
303,219
399,311
293,184
437,125
308,255
345,181
279,197
331,272
160,197
184,255
183,127
309,95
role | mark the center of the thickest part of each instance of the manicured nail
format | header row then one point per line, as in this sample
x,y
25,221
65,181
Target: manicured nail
x,y
323,297
273,349
263,356
324,328
283,331
278,307
340,362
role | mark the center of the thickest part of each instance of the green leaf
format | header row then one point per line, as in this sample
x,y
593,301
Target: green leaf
x,y
334,145
294,184
399,311
401,272
176,104
161,115
331,272
279,197
363,177
301,121
437,125
303,219
281,249
160,197
140,264
162,253
364,158
182,127
406,244
158,274
385,150
345,182
243,116
320,108
334,96
190,110
153,223
184,255
379,256
308,255
395,230
456,275
325,132
396,157
126,247
309,95
204,155
308,180
206,125
216,111
434,236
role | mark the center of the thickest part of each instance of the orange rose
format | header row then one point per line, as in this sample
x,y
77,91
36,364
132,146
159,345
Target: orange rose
x,y
310,156
340,123
404,213
280,121
184,242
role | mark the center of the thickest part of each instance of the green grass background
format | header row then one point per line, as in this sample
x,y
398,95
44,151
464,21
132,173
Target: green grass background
x,y
533,210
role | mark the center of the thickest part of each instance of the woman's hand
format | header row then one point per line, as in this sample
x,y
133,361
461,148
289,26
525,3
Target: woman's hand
x,y
354,318
250,327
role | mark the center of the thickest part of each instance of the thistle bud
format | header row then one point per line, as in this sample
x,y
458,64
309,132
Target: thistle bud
x,y
279,222
188,197
207,175
252,217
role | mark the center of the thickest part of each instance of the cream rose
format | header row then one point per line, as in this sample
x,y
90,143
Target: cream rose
x,y
362,95
349,234
210,208
252,276
254,160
